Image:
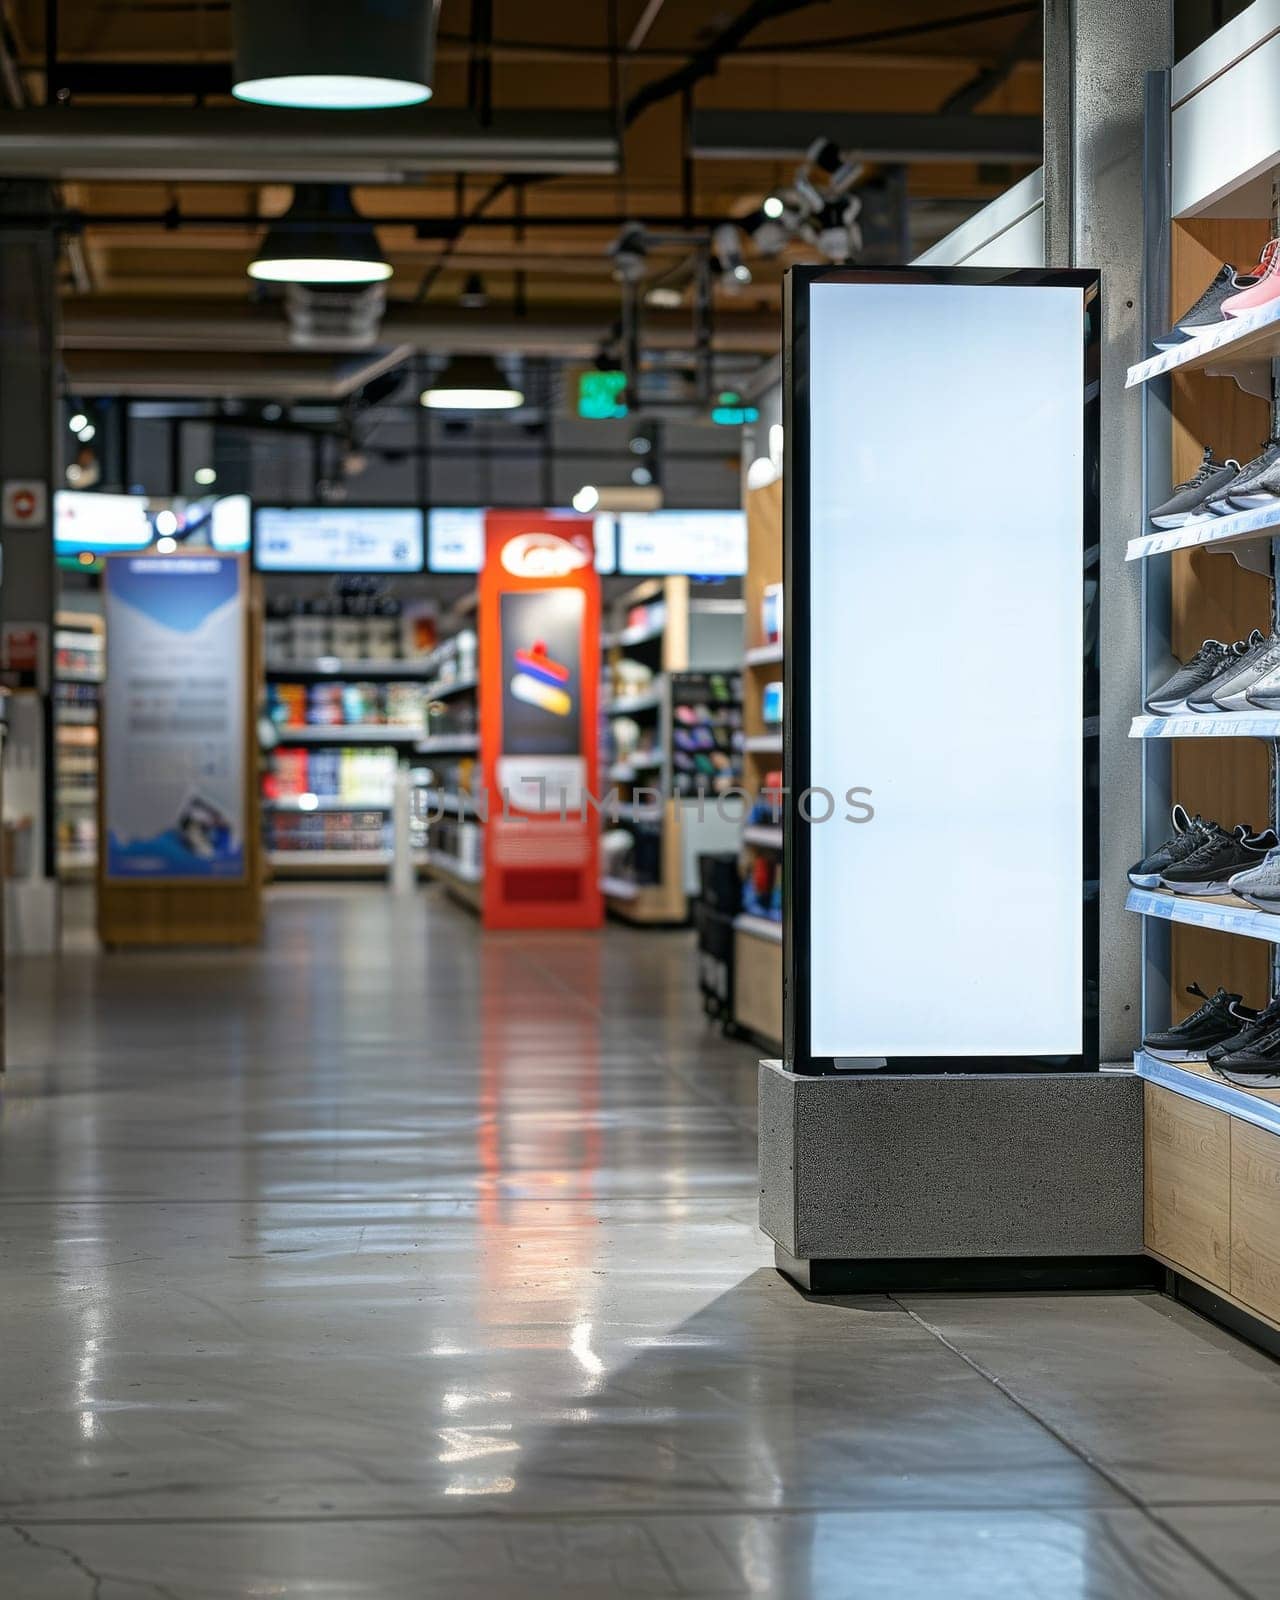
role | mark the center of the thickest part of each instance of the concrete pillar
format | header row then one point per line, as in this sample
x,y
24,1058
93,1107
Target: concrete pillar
x,y
29,450
1097,58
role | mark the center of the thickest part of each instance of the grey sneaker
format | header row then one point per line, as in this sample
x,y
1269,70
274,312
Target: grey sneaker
x,y
1260,885
1257,484
1201,699
1231,688
1210,481
1264,692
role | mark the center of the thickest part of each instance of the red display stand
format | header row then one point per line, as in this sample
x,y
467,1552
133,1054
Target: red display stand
x,y
539,727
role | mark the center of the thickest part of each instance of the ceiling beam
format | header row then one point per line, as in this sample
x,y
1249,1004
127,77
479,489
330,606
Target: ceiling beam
x,y
253,144
871,135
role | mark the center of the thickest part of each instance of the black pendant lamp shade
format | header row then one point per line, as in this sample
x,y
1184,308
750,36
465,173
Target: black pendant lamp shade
x,y
335,55
322,238
472,383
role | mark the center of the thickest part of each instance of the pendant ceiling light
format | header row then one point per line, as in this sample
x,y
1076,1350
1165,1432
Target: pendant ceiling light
x,y
472,383
322,55
322,238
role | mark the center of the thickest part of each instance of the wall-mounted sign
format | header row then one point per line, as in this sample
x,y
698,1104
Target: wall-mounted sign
x,y
941,624
456,538
25,502
704,544
174,776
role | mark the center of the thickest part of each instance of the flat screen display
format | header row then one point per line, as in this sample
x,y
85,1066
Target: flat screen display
x,y
696,544
338,539
456,539
99,523
542,672
943,510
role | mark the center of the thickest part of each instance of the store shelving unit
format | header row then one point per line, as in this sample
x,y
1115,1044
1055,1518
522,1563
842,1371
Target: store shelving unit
x,y
685,643
1212,1148
313,831
757,986
79,670
447,819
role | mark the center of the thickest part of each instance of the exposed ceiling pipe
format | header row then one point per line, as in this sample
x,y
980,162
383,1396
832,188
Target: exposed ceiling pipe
x,y
159,375
252,144
219,326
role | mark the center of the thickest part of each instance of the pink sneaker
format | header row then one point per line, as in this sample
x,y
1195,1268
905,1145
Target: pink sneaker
x,y
1265,290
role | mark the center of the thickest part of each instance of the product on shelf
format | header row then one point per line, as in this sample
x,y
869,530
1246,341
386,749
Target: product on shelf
x,y
766,810
1260,885
1245,652
1188,834
630,678
354,627
762,889
1212,658
1231,691
1219,856
771,613
1207,312
1210,480
1256,484
771,704
1262,291
1222,1018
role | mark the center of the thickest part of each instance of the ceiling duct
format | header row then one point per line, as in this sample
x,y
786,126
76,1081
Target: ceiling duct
x,y
255,144
334,318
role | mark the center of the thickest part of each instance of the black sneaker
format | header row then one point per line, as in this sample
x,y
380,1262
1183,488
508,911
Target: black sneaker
x,y
1209,660
1255,1065
1217,858
1219,1019
1188,835
1248,650
1210,482
1263,1022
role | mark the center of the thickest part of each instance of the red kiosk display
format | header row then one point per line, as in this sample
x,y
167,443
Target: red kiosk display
x,y
539,731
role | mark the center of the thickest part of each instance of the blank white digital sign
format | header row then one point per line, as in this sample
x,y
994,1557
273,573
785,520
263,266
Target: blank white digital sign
x,y
946,669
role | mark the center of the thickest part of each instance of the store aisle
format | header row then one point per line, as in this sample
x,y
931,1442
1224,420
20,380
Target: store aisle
x,y
395,1261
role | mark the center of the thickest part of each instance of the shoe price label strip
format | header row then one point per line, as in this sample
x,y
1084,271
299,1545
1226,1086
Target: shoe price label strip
x,y
1240,918
1207,530
1210,1091
1209,725
1225,333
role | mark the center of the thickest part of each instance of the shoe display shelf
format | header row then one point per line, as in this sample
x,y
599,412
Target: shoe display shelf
x,y
1211,725
663,652
79,658
1211,1147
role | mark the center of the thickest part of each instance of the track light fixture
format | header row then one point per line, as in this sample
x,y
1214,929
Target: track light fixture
x,y
360,55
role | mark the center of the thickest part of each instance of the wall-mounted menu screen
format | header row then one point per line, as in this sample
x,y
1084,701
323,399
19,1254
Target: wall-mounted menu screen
x,y
696,544
338,539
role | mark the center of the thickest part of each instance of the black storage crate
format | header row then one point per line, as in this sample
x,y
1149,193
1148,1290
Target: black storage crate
x,y
715,964
721,887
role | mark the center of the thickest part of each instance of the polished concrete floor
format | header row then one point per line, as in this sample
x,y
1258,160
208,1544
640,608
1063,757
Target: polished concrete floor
x,y
393,1261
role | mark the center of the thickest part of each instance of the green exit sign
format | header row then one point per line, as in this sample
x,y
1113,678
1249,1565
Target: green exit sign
x,y
602,394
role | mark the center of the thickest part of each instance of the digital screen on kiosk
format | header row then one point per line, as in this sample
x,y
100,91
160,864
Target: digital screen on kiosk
x,y
542,672
696,544
456,539
944,475
338,539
